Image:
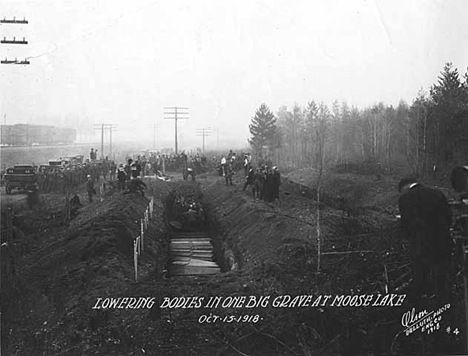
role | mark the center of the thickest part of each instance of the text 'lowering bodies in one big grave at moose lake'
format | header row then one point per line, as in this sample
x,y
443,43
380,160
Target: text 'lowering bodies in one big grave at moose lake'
x,y
280,301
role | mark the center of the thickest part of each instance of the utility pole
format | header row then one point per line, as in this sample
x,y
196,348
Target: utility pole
x,y
111,127
14,41
175,113
203,132
102,127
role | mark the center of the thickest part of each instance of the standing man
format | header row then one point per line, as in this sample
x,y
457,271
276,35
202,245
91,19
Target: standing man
x,y
426,218
229,172
90,188
249,180
113,169
121,178
258,183
276,183
223,165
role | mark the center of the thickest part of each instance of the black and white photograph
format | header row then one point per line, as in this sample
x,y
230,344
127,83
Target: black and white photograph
x,y
234,178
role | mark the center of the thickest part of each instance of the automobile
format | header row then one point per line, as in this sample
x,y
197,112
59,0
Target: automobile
x,y
21,177
59,163
73,160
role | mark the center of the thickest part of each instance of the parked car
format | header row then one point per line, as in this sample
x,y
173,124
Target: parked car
x,y
21,177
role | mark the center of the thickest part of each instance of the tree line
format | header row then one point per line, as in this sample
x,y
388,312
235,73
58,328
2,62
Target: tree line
x,y
429,135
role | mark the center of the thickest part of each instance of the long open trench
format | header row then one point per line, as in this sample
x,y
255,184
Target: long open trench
x,y
191,247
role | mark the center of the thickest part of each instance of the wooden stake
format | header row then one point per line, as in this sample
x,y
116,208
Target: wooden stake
x,y
135,260
142,230
465,283
386,279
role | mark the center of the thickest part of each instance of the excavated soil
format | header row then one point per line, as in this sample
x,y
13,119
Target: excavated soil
x,y
54,273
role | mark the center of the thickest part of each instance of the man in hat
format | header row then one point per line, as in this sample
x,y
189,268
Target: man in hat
x,y
121,177
426,218
249,180
90,188
223,166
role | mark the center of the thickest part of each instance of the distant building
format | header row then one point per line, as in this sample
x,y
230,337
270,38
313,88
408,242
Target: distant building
x,y
29,135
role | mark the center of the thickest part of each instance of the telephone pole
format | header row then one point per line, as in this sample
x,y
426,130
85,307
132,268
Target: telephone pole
x,y
103,127
175,113
14,41
112,128
203,132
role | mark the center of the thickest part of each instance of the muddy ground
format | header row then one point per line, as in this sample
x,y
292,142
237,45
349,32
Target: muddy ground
x,y
54,273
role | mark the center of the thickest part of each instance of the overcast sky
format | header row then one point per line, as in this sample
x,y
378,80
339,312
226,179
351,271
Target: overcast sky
x,y
122,61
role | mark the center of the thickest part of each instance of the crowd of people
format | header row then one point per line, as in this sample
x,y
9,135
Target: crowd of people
x,y
264,180
63,178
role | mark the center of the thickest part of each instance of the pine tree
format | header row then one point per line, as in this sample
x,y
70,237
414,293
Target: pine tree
x,y
262,129
450,98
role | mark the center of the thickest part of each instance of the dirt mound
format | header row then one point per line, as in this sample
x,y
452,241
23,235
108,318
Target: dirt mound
x,y
349,192
275,247
90,259
265,250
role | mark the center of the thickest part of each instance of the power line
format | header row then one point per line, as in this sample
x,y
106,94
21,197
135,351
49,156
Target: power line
x,y
15,61
14,42
14,21
175,113
204,132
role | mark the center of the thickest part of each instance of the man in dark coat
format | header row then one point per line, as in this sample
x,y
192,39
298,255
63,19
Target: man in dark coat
x,y
121,177
269,186
258,183
276,183
75,205
229,172
90,188
136,185
33,196
249,180
426,218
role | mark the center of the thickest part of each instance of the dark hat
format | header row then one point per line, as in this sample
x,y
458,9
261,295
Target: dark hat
x,y
406,181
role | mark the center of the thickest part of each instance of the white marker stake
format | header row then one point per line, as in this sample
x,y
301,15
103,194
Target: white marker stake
x,y
101,192
135,260
142,231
